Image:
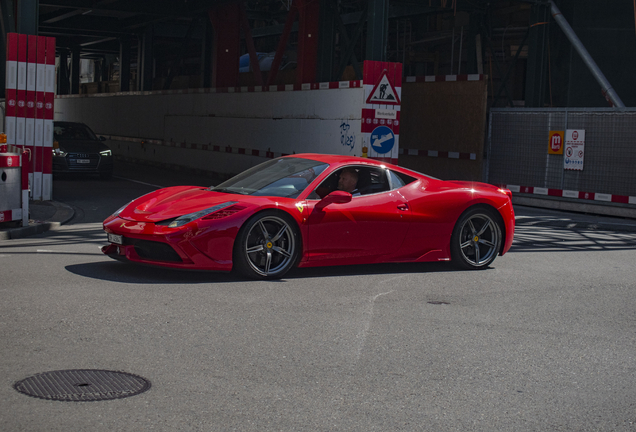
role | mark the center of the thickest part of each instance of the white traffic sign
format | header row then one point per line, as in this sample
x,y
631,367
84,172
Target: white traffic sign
x,y
384,92
574,153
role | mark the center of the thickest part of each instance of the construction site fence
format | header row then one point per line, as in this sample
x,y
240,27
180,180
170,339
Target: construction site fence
x,y
518,142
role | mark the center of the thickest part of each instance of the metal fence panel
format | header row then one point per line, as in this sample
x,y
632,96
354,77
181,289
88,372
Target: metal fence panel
x,y
518,149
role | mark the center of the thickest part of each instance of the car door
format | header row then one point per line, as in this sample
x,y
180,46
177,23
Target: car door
x,y
372,224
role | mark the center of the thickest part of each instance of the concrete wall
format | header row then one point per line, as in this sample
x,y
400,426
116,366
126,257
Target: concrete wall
x,y
194,129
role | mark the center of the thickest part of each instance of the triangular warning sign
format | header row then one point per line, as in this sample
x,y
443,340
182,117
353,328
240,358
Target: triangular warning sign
x,y
384,92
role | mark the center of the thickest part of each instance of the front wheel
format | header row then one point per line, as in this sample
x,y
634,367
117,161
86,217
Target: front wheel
x,y
267,246
476,239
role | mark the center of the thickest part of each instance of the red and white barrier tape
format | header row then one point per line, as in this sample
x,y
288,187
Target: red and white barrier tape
x,y
204,147
245,89
591,196
445,78
438,154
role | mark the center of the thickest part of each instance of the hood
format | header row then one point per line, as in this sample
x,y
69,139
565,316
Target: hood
x,y
82,146
173,202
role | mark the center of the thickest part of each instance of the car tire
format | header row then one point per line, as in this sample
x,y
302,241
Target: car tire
x,y
267,246
476,239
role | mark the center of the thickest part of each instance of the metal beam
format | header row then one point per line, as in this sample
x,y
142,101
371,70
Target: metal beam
x,y
124,64
348,54
256,68
145,68
282,44
75,69
28,17
377,29
176,62
537,66
308,25
63,87
226,23
608,90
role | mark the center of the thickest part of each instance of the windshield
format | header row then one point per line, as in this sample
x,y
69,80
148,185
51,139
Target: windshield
x,y
283,177
73,131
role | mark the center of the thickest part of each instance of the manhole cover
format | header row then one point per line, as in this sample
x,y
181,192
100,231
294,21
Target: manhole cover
x,y
82,385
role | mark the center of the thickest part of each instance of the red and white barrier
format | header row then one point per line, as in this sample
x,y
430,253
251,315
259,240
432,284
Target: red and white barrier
x,y
591,196
445,78
29,114
14,190
49,101
11,88
442,154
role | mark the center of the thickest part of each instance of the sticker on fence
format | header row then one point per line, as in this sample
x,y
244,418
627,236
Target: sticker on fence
x,y
574,149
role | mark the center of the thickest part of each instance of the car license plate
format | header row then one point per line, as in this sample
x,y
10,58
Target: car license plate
x,y
115,238
83,161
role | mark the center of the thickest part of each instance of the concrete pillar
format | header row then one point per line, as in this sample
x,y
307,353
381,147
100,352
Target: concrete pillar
x,y
75,69
124,64
145,67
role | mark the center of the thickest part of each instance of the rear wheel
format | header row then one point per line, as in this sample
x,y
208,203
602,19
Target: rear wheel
x,y
476,239
267,246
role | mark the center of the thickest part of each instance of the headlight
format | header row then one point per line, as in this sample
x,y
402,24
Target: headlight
x,y
182,220
59,152
106,153
121,209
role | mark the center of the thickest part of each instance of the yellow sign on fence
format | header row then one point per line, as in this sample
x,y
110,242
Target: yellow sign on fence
x,y
555,145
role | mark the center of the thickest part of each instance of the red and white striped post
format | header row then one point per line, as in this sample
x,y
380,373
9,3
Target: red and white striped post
x,y
49,101
20,116
30,94
40,85
29,137
25,189
11,86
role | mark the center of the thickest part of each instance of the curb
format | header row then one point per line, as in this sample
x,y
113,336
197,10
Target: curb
x,y
63,214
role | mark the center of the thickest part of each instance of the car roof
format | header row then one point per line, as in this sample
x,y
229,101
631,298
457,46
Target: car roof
x,y
332,159
336,159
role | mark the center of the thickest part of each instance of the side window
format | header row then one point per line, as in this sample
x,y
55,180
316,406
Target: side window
x,y
358,180
398,179
372,180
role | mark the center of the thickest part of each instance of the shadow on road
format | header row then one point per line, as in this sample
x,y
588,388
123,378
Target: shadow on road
x,y
552,239
115,271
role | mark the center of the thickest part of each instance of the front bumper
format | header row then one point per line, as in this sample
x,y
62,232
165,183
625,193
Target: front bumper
x,y
147,243
96,164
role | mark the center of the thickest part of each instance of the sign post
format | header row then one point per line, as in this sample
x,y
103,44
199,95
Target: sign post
x,y
381,110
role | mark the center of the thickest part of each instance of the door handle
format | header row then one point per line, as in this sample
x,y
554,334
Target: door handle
x,y
403,207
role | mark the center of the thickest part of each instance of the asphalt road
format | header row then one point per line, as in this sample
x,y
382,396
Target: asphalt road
x,y
545,340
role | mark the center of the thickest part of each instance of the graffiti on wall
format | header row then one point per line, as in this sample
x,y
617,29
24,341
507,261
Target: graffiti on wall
x,y
347,137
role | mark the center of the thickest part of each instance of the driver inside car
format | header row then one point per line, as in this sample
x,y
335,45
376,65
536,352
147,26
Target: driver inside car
x,y
348,181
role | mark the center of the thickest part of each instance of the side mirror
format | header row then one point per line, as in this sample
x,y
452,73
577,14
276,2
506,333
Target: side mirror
x,y
335,197
102,138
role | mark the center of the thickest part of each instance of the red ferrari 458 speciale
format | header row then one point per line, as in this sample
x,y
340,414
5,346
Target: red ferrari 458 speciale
x,y
314,210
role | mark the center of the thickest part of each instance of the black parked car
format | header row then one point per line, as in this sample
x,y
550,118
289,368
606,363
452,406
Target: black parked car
x,y
76,149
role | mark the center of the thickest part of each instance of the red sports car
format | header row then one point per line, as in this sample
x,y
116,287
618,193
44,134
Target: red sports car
x,y
314,210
